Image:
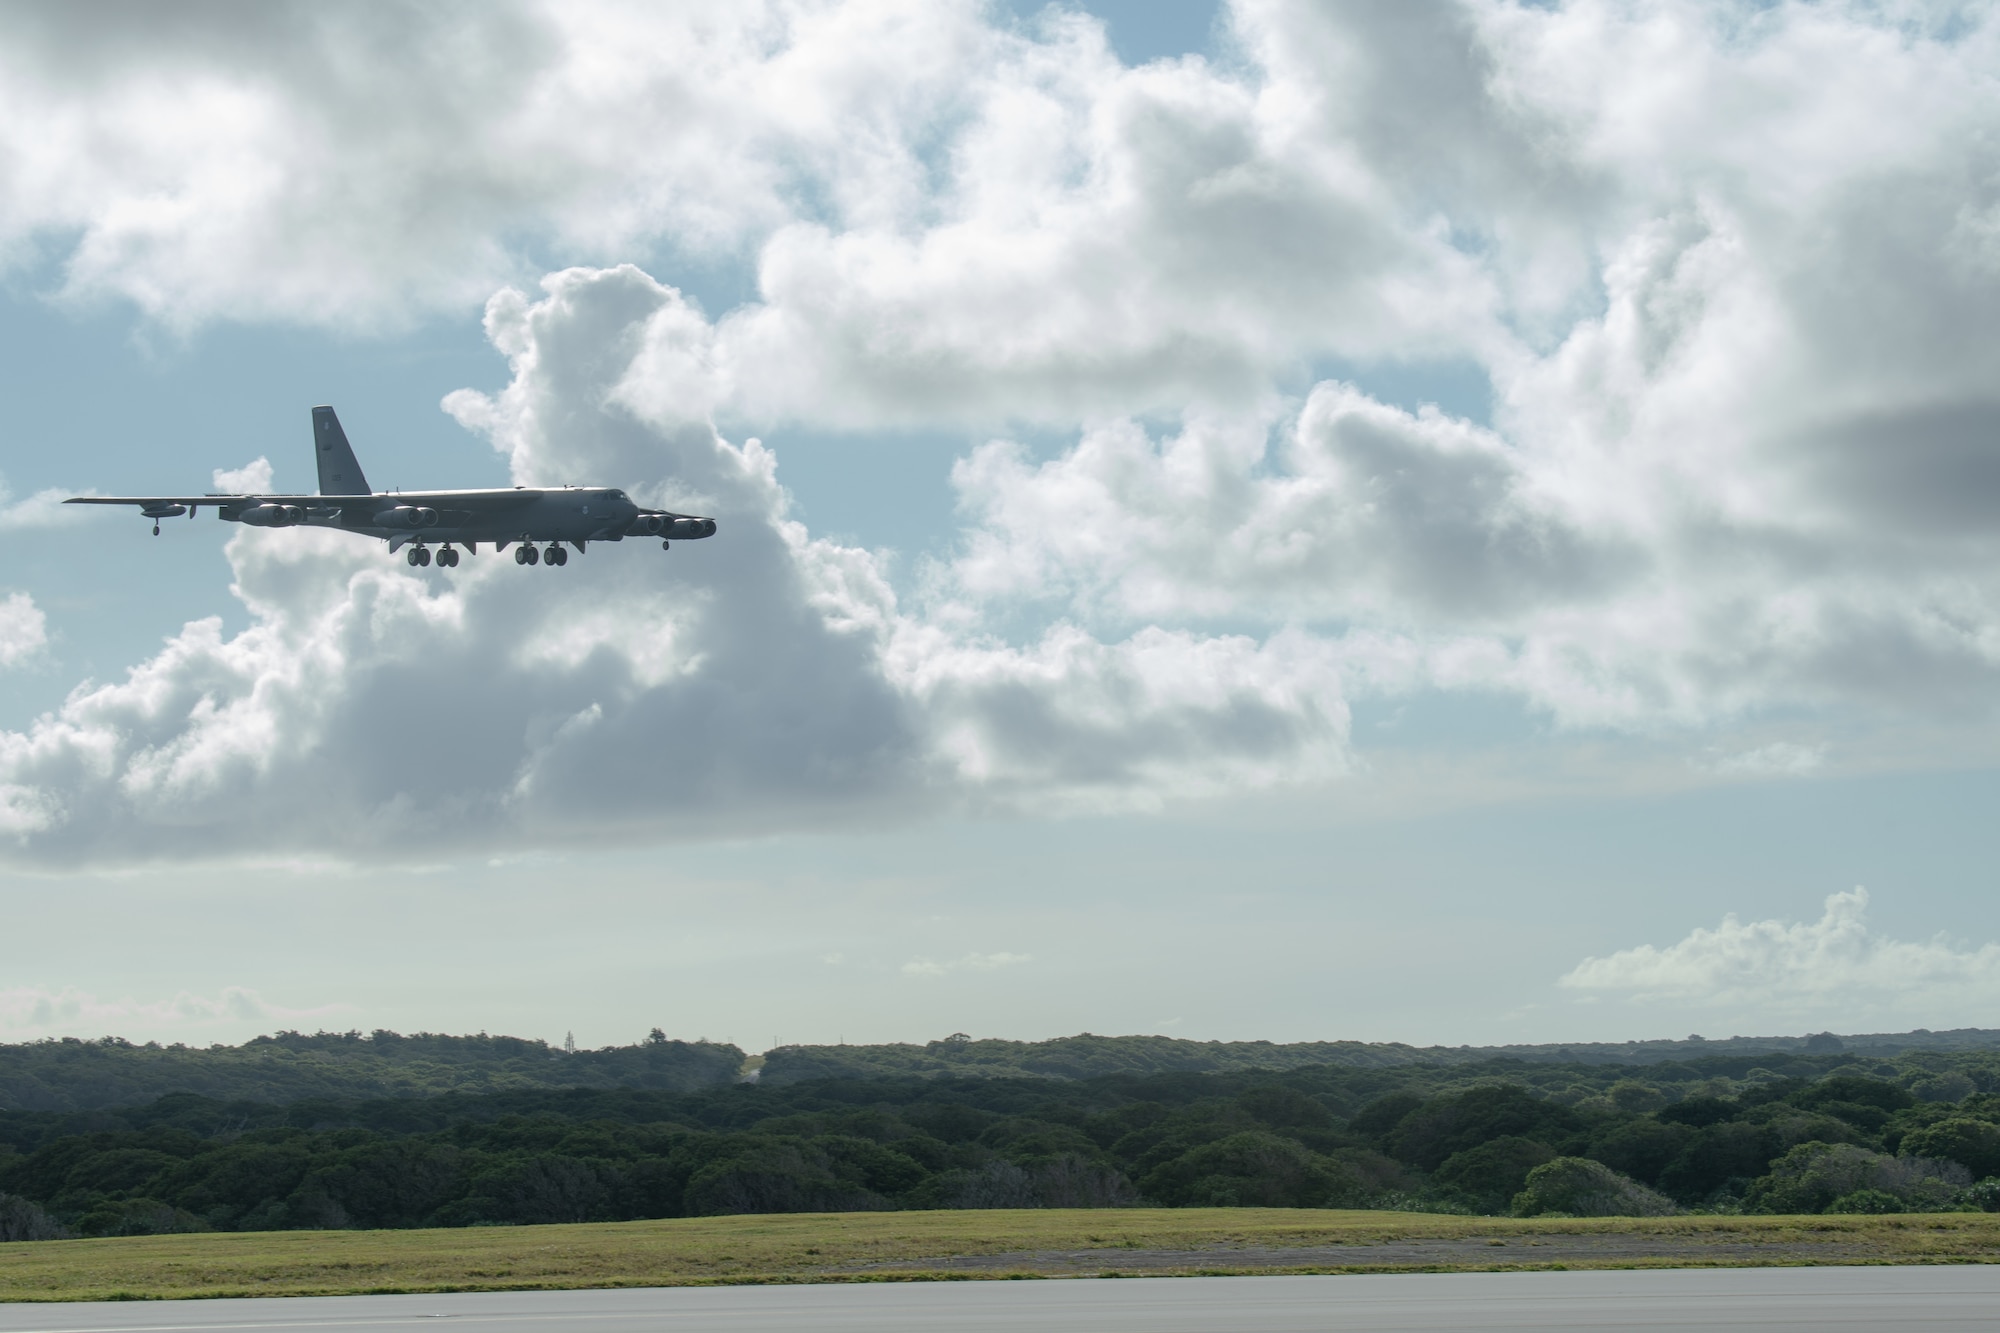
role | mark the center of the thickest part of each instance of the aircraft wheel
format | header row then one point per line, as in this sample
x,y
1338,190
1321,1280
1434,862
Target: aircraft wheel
x,y
666,546
558,556
530,556
156,527
411,556
520,555
448,558
424,555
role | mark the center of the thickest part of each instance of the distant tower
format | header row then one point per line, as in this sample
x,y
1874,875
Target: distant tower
x,y
569,1042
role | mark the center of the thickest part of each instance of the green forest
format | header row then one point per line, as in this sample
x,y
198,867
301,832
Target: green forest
x,y
74,1075
491,1130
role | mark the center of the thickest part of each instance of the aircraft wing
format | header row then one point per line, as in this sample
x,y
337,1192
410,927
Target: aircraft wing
x,y
143,500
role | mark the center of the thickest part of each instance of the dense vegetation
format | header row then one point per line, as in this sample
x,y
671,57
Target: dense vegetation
x,y
1776,1133
1089,1056
72,1075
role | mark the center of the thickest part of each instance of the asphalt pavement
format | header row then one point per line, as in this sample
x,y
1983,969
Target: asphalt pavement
x,y
1716,1300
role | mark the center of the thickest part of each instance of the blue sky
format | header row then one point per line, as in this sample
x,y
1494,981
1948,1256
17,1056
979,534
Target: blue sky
x,y
1279,528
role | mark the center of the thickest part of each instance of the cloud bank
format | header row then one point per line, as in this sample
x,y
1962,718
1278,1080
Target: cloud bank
x,y
761,681
1727,269
32,1010
1780,966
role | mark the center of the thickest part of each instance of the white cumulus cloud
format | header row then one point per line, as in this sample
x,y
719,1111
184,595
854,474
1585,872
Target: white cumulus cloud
x,y
24,630
1798,966
252,478
43,509
1727,269
764,679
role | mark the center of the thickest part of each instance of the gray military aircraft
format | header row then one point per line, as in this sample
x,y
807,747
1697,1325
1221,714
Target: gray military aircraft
x,y
518,516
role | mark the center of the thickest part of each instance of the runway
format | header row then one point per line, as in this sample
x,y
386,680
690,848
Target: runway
x,y
1767,1300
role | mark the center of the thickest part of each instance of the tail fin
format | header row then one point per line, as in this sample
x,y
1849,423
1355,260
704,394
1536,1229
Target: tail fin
x,y
339,474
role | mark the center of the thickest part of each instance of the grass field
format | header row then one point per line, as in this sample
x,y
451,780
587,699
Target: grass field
x,y
903,1246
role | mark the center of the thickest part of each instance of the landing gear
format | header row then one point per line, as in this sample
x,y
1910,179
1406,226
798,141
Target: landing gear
x,y
527,555
666,546
420,556
557,556
156,527
448,558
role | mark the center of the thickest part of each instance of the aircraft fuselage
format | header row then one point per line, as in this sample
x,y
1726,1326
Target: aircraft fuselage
x,y
517,514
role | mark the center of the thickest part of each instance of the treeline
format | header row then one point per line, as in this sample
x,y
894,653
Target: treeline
x,y
1091,1056
1786,1134
69,1075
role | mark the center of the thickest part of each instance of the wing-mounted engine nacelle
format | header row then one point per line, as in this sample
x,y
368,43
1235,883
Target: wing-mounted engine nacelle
x,y
407,516
271,515
163,511
665,525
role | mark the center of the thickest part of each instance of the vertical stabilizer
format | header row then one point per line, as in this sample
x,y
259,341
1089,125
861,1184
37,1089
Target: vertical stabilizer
x,y
339,474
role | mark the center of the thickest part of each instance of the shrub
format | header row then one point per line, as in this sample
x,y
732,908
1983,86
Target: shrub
x,y
1947,1087
1812,1176
1460,1120
775,1176
1252,1170
139,1217
21,1219
1069,1181
1721,1157
1853,1090
1866,1201
1699,1112
1494,1172
1973,1144
1377,1120
1629,1094
1984,1196
1579,1187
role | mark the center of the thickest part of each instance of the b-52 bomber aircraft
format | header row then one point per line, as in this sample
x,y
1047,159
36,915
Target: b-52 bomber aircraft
x,y
517,516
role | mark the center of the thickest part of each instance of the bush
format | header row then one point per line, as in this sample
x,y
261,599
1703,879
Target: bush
x,y
1866,1201
1252,1170
1069,1181
1460,1120
535,1191
1721,1158
1579,1187
1984,1196
139,1217
1947,1087
1377,1120
1494,1172
21,1219
1853,1090
1973,1144
1812,1176
776,1176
